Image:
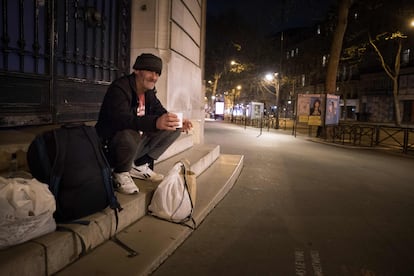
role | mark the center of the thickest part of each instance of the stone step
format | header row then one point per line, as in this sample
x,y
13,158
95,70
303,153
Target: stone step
x,y
156,239
51,253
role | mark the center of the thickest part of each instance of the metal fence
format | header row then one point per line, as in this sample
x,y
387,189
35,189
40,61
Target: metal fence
x,y
375,135
355,133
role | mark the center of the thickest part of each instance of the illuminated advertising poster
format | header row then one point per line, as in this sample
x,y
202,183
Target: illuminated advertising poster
x,y
303,108
332,110
219,108
256,110
310,109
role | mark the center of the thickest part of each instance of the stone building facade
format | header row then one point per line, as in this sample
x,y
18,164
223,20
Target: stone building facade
x,y
57,58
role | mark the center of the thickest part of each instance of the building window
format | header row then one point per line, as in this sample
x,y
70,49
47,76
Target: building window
x,y
324,60
303,80
405,57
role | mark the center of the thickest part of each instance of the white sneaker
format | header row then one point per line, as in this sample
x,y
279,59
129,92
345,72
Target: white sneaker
x,y
124,183
144,172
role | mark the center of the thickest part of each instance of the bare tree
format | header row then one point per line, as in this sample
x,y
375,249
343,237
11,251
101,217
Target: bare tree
x,y
395,72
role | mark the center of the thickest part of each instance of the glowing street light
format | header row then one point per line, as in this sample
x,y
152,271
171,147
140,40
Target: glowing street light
x,y
269,77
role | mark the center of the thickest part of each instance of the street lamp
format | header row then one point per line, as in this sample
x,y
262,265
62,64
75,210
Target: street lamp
x,y
269,77
274,79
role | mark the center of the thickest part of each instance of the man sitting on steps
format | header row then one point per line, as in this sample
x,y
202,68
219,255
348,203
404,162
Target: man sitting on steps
x,y
134,126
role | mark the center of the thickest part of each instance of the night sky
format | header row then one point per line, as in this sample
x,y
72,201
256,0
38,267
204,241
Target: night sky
x,y
276,15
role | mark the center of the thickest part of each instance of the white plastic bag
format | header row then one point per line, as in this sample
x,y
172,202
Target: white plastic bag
x,y
26,210
174,198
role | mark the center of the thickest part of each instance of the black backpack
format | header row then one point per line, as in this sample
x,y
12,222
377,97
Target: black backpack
x,y
71,161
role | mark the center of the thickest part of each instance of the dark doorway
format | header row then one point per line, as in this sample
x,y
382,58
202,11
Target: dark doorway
x,y
408,114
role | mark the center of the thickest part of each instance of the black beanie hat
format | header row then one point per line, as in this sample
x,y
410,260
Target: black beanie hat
x,y
148,62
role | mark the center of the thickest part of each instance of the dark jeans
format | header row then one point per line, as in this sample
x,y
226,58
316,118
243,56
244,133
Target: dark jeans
x,y
128,146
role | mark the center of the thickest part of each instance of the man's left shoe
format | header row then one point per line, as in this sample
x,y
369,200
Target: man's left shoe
x,y
124,183
144,172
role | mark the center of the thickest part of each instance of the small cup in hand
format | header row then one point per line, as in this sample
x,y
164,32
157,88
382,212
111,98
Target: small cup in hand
x,y
180,117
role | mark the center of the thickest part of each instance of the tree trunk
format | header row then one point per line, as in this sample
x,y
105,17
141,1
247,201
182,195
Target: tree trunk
x,y
335,54
396,101
216,79
395,89
336,47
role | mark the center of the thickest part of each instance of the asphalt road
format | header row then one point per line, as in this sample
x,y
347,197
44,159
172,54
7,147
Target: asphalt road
x,y
301,207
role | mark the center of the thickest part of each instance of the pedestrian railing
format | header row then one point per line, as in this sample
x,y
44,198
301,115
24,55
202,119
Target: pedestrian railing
x,y
351,133
400,137
361,135
393,137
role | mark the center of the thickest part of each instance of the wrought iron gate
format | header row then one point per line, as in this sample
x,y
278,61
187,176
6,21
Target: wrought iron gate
x,y
57,58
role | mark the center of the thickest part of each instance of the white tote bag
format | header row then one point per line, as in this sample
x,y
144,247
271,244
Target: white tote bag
x,y
26,210
174,198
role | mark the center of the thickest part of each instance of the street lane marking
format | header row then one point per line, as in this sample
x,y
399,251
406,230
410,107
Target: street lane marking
x,y
300,263
316,263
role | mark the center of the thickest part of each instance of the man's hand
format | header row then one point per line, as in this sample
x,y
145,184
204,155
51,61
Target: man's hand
x,y
187,125
168,121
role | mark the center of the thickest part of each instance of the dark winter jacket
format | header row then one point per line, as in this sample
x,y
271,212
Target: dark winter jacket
x,y
119,109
